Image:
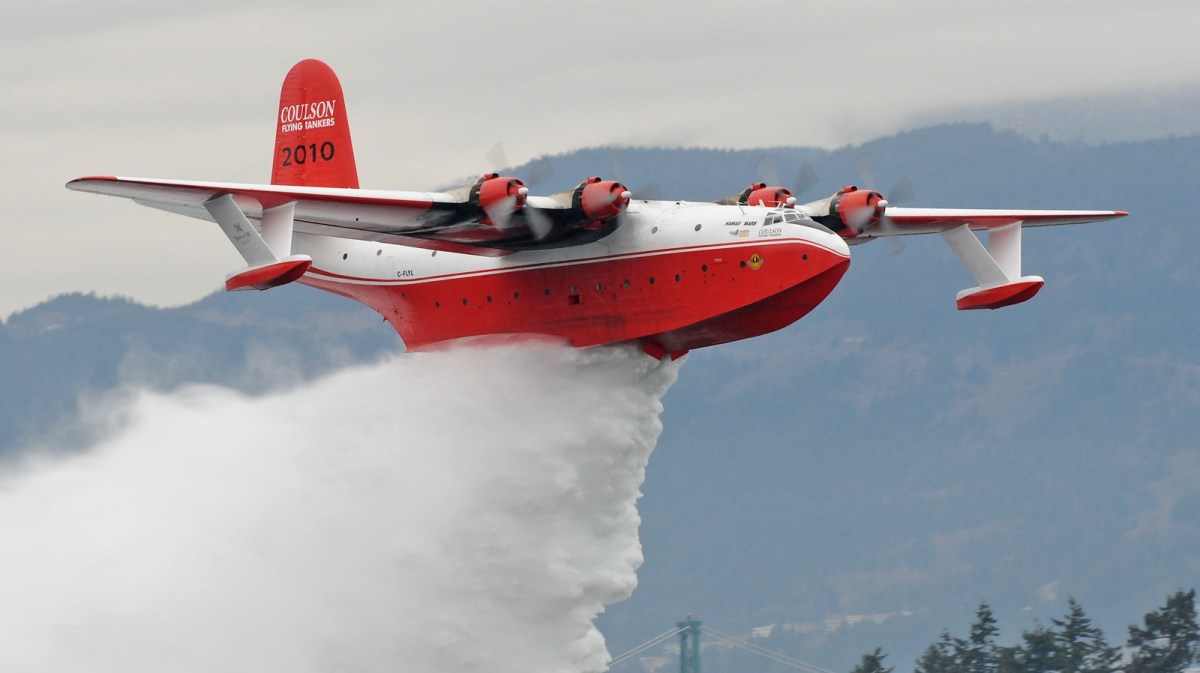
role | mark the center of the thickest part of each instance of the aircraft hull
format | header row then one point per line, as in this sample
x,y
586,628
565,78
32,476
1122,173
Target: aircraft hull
x,y
668,300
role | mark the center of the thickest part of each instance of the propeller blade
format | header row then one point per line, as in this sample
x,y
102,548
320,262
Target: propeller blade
x,y
539,223
806,177
766,172
539,172
501,212
497,157
901,191
866,170
616,159
648,192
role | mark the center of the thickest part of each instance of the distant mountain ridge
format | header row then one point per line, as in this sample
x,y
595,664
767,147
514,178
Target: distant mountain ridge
x,y
886,455
81,344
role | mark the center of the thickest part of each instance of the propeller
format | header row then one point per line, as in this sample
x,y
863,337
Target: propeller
x,y
901,191
650,191
501,211
537,173
806,175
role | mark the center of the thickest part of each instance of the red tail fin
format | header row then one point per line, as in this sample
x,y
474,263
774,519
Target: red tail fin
x,y
312,136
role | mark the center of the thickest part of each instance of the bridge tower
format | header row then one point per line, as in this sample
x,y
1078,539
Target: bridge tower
x,y
689,646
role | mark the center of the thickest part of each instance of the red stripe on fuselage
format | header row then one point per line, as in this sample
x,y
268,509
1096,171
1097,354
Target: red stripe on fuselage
x,y
608,299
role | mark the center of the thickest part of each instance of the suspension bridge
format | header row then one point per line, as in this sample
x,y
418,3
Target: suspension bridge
x,y
689,631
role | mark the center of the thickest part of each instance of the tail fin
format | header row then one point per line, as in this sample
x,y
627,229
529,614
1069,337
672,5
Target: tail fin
x,y
312,136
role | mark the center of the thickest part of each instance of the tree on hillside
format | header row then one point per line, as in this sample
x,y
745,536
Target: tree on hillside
x,y
980,655
944,656
872,662
1036,653
1169,640
1080,646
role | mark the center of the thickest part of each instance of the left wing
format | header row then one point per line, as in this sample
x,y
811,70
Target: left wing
x,y
896,221
996,267
860,215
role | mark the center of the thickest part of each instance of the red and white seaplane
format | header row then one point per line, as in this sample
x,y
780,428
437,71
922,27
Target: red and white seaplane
x,y
592,265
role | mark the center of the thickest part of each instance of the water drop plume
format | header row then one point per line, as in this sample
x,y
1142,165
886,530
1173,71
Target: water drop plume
x,y
467,510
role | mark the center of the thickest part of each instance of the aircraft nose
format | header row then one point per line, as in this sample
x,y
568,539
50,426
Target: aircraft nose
x,y
837,244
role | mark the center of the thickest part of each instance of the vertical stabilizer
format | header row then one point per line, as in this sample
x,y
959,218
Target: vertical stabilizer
x,y
312,134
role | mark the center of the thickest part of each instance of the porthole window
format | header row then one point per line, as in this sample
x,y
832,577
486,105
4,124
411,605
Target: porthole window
x,y
378,253
743,264
626,283
548,289
651,280
654,230
704,268
599,286
677,278
698,227
489,298
516,295
464,302
345,255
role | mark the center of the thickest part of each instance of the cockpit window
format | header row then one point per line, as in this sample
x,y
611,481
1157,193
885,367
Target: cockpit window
x,y
771,219
794,217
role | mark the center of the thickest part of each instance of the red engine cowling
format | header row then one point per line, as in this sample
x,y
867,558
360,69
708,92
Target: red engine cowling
x,y
857,209
759,194
498,196
600,200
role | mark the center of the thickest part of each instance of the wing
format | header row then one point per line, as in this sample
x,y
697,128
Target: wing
x,y
996,266
432,220
898,221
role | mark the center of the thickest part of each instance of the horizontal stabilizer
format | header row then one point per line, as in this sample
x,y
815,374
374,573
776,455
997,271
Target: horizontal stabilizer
x,y
269,275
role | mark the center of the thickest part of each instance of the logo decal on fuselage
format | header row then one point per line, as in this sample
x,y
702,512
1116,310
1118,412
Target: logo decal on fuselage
x,y
756,262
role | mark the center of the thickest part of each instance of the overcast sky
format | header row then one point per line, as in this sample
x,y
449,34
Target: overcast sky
x,y
189,90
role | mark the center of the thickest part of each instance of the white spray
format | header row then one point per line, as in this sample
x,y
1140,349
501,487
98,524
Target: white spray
x,y
470,510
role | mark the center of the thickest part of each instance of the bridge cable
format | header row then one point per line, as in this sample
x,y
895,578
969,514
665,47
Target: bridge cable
x,y
645,646
764,652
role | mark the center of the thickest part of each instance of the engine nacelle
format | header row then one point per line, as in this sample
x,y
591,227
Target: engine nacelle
x,y
600,200
498,196
759,194
849,211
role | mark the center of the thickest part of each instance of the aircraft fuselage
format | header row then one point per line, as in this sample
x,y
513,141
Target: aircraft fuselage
x,y
674,276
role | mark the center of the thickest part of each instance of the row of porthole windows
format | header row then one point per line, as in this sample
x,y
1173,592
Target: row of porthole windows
x,y
654,229
433,253
574,290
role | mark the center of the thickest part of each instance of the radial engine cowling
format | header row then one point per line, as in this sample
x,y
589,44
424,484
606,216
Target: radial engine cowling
x,y
498,196
600,200
848,212
759,194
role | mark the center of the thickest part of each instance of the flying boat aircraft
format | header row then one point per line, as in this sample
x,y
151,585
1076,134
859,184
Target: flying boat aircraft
x,y
592,265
